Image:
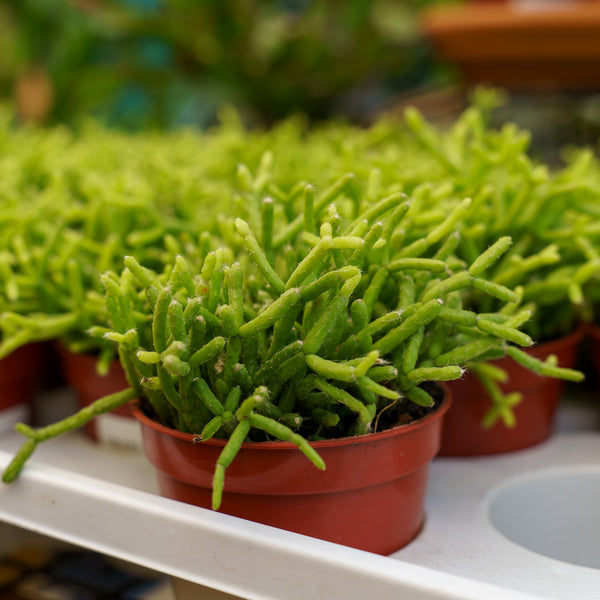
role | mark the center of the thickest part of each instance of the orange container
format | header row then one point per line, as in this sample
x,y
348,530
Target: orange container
x,y
80,373
520,45
21,375
371,495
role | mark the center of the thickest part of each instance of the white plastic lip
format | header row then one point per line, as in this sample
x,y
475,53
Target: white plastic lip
x,y
551,511
460,538
215,550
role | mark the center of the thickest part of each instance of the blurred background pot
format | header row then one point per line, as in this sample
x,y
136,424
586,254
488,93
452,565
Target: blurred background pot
x,y
21,375
464,434
519,45
117,427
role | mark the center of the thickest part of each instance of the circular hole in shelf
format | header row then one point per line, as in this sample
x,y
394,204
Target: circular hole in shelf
x,y
555,513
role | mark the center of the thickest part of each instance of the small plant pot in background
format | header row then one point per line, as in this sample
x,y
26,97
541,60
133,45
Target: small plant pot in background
x,y
504,44
464,434
370,496
118,427
21,375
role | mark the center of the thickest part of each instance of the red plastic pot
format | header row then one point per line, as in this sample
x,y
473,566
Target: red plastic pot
x,y
463,433
81,374
20,378
371,495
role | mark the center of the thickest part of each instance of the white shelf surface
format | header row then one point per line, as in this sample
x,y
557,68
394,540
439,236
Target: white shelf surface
x,y
105,499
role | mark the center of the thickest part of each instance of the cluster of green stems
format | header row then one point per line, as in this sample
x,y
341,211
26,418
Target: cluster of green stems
x,y
73,206
323,310
550,216
306,330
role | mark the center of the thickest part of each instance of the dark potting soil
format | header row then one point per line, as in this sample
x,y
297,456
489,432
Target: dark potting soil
x,y
402,412
405,411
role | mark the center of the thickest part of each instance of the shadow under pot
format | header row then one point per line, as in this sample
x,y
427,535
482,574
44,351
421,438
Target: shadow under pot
x,y
118,427
370,496
21,376
464,434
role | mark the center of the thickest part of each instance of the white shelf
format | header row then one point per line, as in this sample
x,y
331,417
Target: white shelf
x,y
105,499
460,538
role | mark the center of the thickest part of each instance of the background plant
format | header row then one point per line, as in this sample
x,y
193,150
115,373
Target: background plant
x,y
553,257
554,263
77,202
157,63
72,205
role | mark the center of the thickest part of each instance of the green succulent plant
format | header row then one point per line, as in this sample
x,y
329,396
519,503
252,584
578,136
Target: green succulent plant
x,y
547,214
320,323
74,204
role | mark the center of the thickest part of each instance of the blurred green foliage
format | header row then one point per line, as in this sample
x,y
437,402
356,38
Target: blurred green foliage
x,y
139,63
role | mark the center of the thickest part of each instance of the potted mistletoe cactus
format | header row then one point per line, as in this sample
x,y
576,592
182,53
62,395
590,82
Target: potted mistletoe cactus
x,y
551,265
296,376
74,216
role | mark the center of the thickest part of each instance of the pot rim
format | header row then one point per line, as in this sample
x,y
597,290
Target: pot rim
x,y
436,414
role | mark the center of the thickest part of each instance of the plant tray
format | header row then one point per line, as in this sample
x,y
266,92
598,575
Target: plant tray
x,y
105,499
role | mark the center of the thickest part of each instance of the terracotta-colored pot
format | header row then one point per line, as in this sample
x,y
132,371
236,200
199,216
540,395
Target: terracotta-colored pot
x,y
81,374
463,433
509,44
371,495
20,378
